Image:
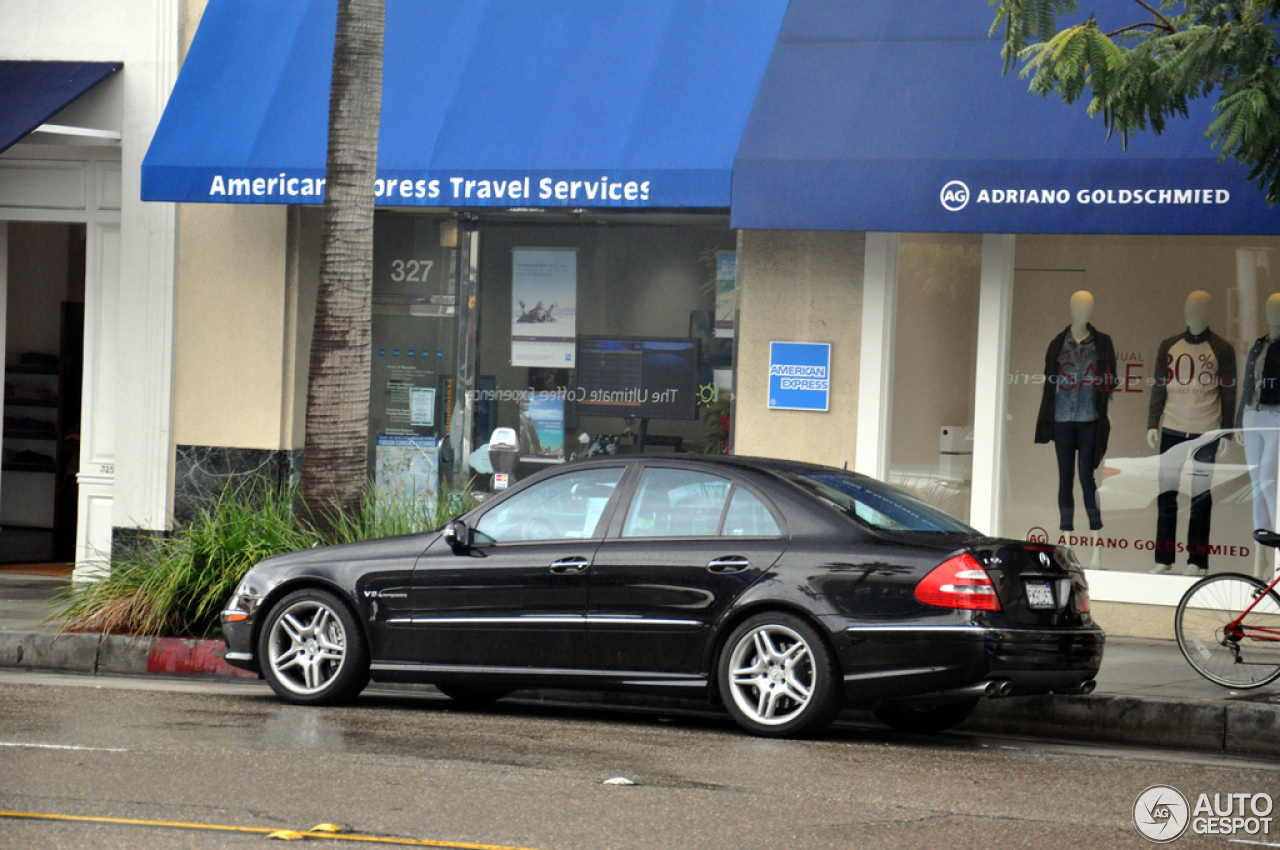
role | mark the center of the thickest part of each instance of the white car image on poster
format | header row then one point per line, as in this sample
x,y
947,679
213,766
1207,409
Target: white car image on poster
x,y
544,306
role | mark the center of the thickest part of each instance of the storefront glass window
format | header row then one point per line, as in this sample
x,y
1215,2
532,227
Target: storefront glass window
x,y
1128,385
935,352
596,333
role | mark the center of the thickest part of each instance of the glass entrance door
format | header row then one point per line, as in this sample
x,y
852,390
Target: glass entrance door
x,y
414,354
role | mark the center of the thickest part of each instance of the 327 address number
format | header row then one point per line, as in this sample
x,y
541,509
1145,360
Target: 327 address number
x,y
410,271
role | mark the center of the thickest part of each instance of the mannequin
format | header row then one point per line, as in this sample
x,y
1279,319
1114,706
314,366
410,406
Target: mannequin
x,y
1081,313
1196,313
1259,417
1080,375
1194,394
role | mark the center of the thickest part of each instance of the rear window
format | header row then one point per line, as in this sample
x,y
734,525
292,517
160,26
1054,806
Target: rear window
x,y
676,503
878,505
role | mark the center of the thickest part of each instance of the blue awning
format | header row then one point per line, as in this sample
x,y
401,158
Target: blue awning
x,y
895,117
33,92
507,103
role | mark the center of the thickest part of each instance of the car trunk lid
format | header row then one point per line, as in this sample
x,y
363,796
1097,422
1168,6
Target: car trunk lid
x,y
1038,584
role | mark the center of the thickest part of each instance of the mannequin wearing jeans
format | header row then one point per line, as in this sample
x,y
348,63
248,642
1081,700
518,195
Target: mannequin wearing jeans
x,y
1259,417
1194,393
1079,372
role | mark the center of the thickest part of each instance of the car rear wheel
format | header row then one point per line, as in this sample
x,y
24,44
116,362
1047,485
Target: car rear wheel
x,y
472,696
924,718
312,651
778,677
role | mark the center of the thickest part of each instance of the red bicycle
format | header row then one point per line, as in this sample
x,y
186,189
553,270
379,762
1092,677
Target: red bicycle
x,y
1228,627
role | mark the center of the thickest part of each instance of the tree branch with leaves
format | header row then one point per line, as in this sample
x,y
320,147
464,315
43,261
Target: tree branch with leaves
x,y
1141,70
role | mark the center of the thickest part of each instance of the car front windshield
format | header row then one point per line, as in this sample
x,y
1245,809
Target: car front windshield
x,y
878,505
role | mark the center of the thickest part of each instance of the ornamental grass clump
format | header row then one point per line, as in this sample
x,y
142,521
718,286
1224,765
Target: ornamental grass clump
x,y
176,585
379,515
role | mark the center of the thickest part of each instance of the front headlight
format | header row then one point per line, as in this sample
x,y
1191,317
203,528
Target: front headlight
x,y
244,601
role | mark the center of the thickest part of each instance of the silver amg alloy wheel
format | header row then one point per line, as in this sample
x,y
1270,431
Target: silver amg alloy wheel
x,y
307,646
778,676
772,675
312,650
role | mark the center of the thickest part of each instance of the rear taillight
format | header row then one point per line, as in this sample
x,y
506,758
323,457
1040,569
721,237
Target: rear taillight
x,y
959,582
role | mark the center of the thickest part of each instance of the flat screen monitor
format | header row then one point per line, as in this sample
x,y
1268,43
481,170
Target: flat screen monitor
x,y
634,376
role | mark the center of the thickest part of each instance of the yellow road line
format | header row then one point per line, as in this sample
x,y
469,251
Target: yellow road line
x,y
374,839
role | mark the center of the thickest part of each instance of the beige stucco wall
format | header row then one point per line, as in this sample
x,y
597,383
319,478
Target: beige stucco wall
x,y
192,11
798,287
306,226
1122,619
236,325
229,341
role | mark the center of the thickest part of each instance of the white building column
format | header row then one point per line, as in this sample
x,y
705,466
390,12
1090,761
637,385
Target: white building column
x,y
142,490
96,478
875,372
995,324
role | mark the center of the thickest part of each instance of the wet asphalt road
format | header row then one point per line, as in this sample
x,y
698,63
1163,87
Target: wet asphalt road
x,y
530,776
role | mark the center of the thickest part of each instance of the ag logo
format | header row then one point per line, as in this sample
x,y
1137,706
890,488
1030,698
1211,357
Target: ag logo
x,y
955,196
1037,535
1161,813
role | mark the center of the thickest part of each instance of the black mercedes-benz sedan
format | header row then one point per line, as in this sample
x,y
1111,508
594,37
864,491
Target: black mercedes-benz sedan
x,y
784,590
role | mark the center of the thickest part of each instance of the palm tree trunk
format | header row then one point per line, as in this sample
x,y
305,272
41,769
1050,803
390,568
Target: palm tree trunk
x,y
335,455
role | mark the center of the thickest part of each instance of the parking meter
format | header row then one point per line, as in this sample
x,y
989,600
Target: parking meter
x,y
504,452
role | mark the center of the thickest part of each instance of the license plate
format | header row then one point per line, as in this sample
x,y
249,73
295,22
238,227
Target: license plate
x,y
1040,594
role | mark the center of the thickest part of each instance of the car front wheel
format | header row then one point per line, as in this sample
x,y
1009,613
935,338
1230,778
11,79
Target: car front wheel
x,y
312,651
778,677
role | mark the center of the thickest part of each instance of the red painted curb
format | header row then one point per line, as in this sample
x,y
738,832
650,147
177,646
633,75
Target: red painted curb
x,y
187,656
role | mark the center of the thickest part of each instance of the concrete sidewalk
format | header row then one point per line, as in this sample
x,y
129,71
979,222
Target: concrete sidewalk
x,y
1147,692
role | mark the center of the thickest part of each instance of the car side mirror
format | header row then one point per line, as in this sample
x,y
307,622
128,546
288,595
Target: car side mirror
x,y
458,536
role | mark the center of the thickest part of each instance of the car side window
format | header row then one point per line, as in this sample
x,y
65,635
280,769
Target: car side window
x,y
676,503
748,517
566,507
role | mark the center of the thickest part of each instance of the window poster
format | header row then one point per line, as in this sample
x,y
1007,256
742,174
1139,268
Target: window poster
x,y
542,428
404,390
408,467
422,406
726,292
544,306
485,415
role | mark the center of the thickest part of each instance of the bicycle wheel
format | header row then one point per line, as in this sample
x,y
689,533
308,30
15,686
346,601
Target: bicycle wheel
x,y
1233,661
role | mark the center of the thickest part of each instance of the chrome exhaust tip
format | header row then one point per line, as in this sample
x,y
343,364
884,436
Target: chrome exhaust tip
x,y
998,688
1087,686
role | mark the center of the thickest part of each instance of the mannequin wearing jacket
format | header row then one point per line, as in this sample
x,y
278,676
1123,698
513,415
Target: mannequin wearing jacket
x,y
1080,375
1194,393
1259,417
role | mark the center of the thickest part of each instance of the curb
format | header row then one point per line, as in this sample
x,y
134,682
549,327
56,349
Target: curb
x,y
1224,727
71,652
1246,729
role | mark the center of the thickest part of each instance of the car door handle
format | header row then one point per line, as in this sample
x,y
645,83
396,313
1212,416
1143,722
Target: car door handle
x,y
570,565
728,565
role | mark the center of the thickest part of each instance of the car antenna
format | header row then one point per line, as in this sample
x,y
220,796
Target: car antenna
x,y
846,466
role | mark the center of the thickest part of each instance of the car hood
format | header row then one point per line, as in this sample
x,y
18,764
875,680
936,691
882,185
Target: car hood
x,y
405,545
